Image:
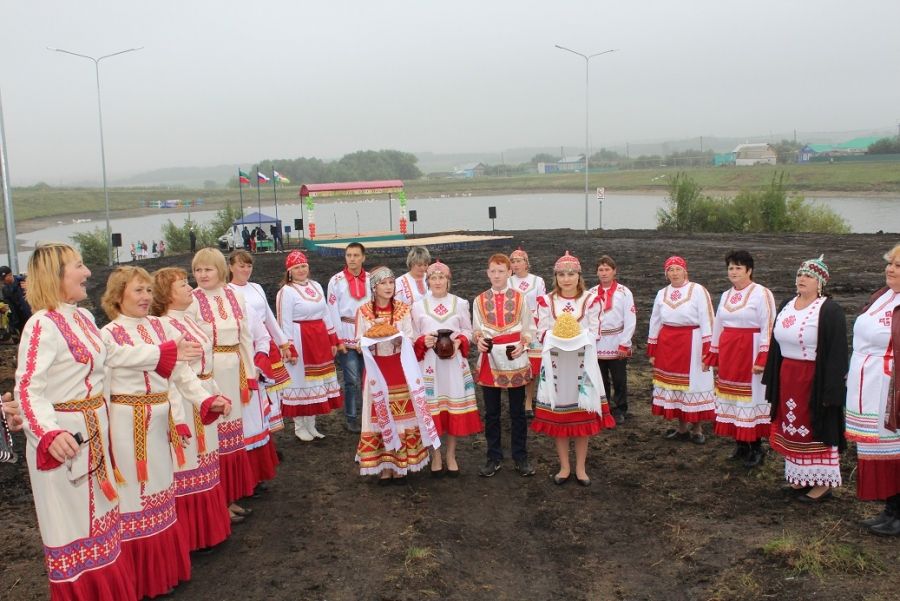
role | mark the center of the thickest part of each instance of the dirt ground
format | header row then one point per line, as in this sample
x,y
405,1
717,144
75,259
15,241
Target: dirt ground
x,y
663,520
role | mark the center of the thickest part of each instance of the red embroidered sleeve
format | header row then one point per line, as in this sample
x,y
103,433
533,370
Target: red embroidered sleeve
x,y
168,355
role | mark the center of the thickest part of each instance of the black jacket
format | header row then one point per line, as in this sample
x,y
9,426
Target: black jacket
x,y
829,392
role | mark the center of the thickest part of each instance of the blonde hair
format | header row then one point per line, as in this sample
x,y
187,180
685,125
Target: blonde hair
x,y
239,255
163,279
46,268
214,258
892,254
115,288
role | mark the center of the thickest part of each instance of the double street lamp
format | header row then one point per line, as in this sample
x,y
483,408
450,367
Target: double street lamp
x,y
587,151
96,61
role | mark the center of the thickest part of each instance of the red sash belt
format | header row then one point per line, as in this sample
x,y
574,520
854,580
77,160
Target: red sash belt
x,y
485,374
730,329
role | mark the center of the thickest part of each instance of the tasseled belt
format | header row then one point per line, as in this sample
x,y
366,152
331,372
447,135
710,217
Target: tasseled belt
x,y
88,408
140,406
242,372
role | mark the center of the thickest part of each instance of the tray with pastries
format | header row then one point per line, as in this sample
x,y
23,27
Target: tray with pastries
x,y
381,330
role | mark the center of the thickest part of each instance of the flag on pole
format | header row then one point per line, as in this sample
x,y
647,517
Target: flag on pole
x,y
243,177
260,178
280,178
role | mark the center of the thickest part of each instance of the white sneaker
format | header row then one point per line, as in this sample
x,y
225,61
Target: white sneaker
x,y
300,430
311,427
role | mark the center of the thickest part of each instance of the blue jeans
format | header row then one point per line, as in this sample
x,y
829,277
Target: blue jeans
x,y
351,364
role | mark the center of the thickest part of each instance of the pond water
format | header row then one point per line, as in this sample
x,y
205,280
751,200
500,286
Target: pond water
x,y
451,213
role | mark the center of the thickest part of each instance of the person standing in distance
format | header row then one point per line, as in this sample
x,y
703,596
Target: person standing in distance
x,y
618,319
348,290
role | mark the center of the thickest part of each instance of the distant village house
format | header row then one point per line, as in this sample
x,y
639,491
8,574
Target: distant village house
x,y
754,154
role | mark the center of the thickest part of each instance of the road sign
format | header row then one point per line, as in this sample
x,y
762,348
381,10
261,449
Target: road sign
x,y
601,193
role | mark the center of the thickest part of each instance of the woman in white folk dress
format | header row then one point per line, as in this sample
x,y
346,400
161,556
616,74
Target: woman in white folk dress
x,y
305,320
443,334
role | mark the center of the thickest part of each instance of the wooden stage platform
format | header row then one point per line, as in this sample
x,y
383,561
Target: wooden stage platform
x,y
394,246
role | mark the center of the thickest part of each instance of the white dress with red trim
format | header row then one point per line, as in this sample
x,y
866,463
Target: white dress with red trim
x,y
868,389
257,436
256,299
532,286
503,317
221,315
409,290
741,332
449,386
395,402
680,333
145,428
618,319
59,385
807,462
203,517
306,322
571,400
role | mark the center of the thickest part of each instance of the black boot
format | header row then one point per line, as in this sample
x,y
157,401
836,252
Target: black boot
x,y
756,455
741,451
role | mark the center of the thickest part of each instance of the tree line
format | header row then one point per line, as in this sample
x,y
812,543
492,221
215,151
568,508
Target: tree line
x,y
363,165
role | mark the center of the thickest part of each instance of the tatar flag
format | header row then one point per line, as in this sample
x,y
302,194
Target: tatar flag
x,y
243,177
260,178
280,178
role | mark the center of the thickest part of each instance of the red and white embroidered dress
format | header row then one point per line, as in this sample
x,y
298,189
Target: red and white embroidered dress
x,y
307,324
449,386
144,427
532,286
257,436
681,325
740,341
807,462
203,517
59,385
221,315
371,452
255,297
575,378
409,290
868,388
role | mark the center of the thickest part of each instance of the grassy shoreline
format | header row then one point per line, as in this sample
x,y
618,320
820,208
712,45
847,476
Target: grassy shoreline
x,y
39,207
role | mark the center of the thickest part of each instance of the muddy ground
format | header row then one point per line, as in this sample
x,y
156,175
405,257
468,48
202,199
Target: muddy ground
x,y
663,520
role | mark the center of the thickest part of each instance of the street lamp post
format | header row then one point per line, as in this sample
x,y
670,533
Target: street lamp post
x,y
587,151
96,62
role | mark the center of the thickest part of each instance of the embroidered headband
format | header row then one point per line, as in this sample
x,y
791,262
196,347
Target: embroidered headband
x,y
815,268
519,253
379,275
567,263
438,267
675,260
293,259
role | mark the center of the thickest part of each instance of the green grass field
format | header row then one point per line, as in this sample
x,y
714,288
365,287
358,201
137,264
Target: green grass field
x,y
66,203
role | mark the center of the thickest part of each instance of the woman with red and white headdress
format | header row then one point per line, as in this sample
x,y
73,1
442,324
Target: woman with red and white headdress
x,y
571,400
306,322
532,286
444,329
680,334
397,427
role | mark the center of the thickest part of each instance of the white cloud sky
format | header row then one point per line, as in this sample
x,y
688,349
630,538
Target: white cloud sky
x,y
225,82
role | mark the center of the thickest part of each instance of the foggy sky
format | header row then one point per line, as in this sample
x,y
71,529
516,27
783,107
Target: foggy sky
x,y
226,82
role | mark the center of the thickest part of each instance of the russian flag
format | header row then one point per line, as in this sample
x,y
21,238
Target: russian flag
x,y
260,178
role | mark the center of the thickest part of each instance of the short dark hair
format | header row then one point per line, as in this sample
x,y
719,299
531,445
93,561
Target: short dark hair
x,y
358,245
606,260
739,257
